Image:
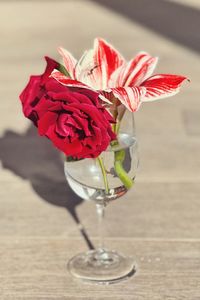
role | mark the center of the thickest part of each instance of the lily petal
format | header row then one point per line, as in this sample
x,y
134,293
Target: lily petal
x,y
60,77
161,86
69,61
107,56
138,70
105,61
116,77
129,96
84,70
105,99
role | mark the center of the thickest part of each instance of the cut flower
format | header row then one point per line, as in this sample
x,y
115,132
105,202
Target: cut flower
x,y
104,69
79,106
72,118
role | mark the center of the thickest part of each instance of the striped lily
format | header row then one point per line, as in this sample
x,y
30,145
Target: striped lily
x,y
104,69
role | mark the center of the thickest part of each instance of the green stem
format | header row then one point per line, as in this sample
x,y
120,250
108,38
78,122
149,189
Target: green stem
x,y
114,126
121,173
117,126
103,170
120,155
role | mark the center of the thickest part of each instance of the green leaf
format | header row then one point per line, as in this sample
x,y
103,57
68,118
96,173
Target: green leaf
x,y
63,70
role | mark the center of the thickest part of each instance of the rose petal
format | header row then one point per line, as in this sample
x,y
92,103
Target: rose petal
x,y
73,122
45,105
61,127
46,121
51,65
83,124
69,148
29,96
71,108
64,96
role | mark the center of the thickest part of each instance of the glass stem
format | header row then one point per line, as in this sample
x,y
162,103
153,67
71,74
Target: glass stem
x,y
100,209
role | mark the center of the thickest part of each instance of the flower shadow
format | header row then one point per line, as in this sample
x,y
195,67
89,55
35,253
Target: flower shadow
x,y
34,159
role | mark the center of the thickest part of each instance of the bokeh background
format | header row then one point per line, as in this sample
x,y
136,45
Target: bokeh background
x,y
158,221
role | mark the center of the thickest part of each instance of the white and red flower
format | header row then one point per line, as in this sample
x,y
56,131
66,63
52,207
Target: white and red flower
x,y
104,69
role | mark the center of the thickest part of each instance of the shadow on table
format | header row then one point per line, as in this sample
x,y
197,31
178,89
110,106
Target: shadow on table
x,y
175,21
34,159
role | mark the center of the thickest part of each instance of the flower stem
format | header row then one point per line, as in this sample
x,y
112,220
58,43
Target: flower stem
x,y
114,126
103,170
121,173
120,154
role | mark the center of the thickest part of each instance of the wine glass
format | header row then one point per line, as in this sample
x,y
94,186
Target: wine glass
x,y
102,180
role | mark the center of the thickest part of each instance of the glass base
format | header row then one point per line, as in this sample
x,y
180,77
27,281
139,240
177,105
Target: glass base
x,y
101,266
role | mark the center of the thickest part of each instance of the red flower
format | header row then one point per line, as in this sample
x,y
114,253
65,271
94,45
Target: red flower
x,y
35,90
72,118
105,70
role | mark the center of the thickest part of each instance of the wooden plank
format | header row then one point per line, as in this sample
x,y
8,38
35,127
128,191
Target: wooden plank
x,y
159,218
150,210
36,268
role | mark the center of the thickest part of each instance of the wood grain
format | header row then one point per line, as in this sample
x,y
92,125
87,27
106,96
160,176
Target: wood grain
x,y
36,267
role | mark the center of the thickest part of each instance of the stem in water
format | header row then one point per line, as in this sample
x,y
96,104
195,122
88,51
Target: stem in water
x,y
103,170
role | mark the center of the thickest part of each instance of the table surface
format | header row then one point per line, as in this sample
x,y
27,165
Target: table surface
x,y
160,217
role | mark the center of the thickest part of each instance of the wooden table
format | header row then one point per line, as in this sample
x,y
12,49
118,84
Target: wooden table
x,y
39,215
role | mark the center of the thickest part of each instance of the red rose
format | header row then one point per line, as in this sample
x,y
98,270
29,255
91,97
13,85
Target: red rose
x,y
35,90
72,118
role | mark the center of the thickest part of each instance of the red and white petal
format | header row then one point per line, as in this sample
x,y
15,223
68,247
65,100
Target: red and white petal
x,y
96,65
162,86
105,97
84,70
60,77
128,96
138,69
106,61
116,78
69,61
